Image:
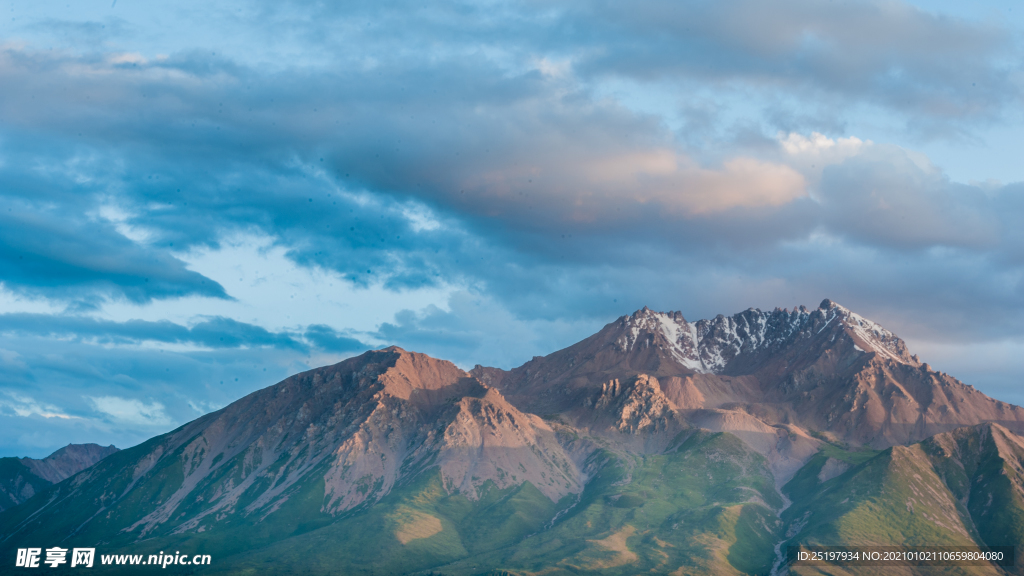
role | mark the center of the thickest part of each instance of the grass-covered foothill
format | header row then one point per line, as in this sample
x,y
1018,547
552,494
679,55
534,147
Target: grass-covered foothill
x,y
708,506
928,494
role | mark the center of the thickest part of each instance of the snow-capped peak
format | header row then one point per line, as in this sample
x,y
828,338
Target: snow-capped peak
x,y
874,336
707,346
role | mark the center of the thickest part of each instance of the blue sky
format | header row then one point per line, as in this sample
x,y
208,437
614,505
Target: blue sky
x,y
198,201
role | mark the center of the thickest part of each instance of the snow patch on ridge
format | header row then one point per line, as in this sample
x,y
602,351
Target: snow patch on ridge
x,y
707,346
879,339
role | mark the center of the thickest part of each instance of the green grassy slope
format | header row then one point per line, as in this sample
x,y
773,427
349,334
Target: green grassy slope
x,y
983,466
903,496
707,506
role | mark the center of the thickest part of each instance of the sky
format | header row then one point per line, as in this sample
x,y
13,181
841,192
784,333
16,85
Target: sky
x,y
197,201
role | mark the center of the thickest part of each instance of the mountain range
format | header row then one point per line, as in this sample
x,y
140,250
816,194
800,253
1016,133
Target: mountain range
x,y
657,445
22,478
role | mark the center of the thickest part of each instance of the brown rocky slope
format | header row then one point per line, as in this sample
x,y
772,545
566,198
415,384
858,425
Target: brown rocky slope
x,y
828,371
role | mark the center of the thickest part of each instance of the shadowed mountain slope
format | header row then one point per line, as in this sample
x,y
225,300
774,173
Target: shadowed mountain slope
x,y
21,478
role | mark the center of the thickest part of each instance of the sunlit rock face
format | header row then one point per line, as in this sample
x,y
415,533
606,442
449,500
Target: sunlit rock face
x,y
827,370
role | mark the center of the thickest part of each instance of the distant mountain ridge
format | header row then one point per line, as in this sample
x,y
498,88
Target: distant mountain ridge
x,y
21,478
656,445
68,461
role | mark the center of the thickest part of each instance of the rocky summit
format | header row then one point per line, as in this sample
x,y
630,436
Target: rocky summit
x,y
657,445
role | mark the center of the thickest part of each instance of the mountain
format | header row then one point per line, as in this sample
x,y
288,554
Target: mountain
x,y
656,445
21,478
826,370
312,448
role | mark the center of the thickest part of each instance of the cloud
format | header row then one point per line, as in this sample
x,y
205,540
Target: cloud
x,y
328,339
53,244
886,197
54,255
891,54
64,375
132,411
225,332
213,332
23,406
811,154
11,360
202,407
477,329
536,192
71,33
536,157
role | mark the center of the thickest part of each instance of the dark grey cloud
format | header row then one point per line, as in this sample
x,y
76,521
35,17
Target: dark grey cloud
x,y
54,240
67,256
892,54
326,338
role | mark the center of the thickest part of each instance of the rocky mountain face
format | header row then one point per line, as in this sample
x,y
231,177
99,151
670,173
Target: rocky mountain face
x,y
656,445
68,461
21,478
826,370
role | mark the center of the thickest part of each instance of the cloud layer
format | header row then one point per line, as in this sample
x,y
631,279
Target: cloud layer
x,y
200,195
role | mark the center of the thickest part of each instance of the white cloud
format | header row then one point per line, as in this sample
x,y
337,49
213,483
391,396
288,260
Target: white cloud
x,y
553,68
683,186
820,145
127,58
811,154
276,293
420,218
204,407
119,217
131,411
24,406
